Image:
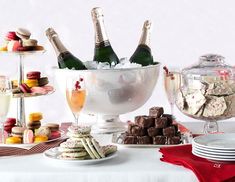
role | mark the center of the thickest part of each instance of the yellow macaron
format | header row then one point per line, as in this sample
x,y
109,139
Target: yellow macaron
x,y
31,82
13,140
35,116
40,138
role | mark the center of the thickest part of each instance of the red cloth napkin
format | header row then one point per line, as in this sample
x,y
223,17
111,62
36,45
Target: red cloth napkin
x,y
206,171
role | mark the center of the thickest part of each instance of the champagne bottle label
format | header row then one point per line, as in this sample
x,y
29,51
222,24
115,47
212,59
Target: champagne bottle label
x,y
145,37
55,41
100,33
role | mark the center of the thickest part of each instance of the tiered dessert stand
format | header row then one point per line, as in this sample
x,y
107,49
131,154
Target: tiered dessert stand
x,y
21,97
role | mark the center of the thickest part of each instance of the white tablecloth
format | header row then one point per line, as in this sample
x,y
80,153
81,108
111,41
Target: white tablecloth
x,y
132,165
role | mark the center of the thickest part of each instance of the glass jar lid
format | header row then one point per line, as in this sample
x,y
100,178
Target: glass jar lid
x,y
211,65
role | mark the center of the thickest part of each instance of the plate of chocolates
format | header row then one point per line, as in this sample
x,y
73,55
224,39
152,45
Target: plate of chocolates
x,y
154,130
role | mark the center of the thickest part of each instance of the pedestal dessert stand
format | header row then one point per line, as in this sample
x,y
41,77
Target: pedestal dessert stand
x,y
113,92
20,97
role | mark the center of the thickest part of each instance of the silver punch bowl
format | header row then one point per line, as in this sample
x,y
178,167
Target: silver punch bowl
x,y
112,92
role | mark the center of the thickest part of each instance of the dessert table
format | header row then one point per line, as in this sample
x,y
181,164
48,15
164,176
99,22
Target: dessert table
x,y
132,165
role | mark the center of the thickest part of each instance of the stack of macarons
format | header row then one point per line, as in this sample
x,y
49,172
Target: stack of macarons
x,y
34,120
20,40
34,84
81,145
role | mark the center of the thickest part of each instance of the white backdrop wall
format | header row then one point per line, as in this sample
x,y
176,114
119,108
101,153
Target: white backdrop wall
x,y
183,30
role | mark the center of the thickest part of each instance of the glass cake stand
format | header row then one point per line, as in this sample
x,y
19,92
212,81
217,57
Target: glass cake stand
x,y
20,97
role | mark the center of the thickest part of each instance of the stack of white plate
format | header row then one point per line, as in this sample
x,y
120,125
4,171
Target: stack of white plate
x,y
218,147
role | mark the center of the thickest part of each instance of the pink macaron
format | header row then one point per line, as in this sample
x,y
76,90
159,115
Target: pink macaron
x,y
24,88
33,75
39,90
13,45
9,124
11,36
28,136
55,134
48,88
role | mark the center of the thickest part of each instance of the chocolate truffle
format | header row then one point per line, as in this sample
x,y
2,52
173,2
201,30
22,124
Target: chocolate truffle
x,y
135,130
173,140
156,111
169,131
144,140
130,140
159,140
144,121
154,131
161,122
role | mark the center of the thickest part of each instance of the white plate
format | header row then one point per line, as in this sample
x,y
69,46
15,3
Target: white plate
x,y
214,155
212,158
117,139
229,152
30,145
224,141
53,155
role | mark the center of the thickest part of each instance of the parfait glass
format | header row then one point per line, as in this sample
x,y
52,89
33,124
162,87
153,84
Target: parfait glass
x,y
5,99
76,95
172,82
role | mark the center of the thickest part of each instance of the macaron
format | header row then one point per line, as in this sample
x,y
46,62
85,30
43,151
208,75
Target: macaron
x,y
24,88
39,90
13,140
11,36
23,33
9,124
17,131
14,83
55,134
3,48
28,136
21,48
48,88
35,116
43,81
32,125
43,130
13,45
53,126
32,82
38,48
33,75
29,43
40,138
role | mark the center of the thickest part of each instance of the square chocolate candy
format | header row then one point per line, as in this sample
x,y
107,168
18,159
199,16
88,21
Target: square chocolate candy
x,y
173,140
169,131
156,111
136,130
144,140
130,140
154,131
161,122
169,118
144,121
159,140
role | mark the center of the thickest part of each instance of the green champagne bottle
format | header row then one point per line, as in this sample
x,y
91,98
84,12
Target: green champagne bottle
x,y
142,54
103,49
65,58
